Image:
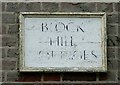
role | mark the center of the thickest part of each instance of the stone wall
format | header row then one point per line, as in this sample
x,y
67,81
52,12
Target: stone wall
x,y
10,38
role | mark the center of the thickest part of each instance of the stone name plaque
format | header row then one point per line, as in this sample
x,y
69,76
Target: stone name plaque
x,y
63,42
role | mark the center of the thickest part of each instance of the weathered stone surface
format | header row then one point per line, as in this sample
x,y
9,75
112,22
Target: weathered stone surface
x,y
109,76
8,65
116,6
49,7
8,18
111,53
2,76
112,29
33,7
9,41
13,29
4,54
3,6
4,29
78,7
13,53
113,41
23,7
119,76
12,76
112,64
112,18
119,53
15,7
119,64
104,7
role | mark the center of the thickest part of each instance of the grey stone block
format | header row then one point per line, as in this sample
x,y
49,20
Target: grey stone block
x,y
108,76
13,29
119,7
112,64
23,7
15,7
78,7
3,6
9,65
9,41
119,65
112,29
8,18
113,41
12,76
112,18
2,76
4,29
111,53
13,53
104,7
25,83
112,76
116,7
119,30
49,7
4,54
119,53
33,7
119,71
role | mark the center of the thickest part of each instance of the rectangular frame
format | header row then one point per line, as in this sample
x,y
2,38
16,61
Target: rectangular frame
x,y
24,15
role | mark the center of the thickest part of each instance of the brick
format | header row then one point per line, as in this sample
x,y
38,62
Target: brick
x,y
49,7
15,7
29,77
112,29
119,53
51,77
119,18
25,83
112,18
3,6
4,54
116,7
8,18
33,7
8,65
79,76
109,76
4,29
78,7
111,53
13,53
101,84
13,29
119,65
112,64
105,7
113,41
119,76
119,30
12,76
1,40
23,7
0,64
9,83
2,76
9,41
